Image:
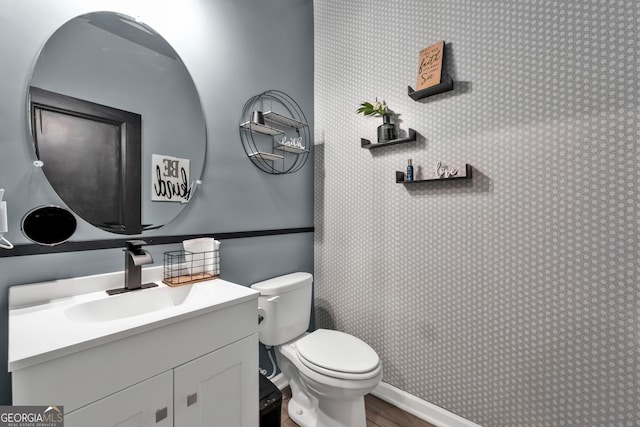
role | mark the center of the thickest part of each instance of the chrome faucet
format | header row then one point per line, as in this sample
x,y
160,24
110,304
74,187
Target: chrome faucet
x,y
134,258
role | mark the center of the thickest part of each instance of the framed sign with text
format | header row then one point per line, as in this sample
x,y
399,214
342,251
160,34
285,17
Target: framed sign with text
x,y
430,65
170,179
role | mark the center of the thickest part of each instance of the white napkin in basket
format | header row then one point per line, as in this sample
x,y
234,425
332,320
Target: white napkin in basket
x,y
202,256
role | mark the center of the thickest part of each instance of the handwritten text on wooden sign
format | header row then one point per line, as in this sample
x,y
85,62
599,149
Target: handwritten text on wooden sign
x,y
430,65
170,179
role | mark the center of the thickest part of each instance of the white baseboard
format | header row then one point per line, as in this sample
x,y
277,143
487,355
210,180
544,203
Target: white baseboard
x,y
279,381
420,408
407,402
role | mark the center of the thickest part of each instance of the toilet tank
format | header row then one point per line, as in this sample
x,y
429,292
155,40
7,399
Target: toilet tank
x,y
285,304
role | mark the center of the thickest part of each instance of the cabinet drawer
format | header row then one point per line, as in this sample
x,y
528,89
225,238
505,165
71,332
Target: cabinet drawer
x,y
149,403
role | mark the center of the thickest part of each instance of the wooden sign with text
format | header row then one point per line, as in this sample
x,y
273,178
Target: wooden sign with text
x,y
430,65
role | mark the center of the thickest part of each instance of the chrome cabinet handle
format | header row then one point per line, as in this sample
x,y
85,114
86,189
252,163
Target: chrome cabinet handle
x,y
192,398
161,414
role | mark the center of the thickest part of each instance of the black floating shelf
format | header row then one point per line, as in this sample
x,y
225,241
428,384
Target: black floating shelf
x,y
445,86
467,175
365,143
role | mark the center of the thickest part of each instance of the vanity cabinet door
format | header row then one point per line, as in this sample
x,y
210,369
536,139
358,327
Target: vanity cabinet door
x,y
146,404
220,388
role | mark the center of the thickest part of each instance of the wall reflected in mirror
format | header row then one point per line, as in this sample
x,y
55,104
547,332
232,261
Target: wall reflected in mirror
x,y
110,61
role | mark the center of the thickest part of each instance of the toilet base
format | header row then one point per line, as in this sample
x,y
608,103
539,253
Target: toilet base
x,y
305,417
338,407
330,413
340,413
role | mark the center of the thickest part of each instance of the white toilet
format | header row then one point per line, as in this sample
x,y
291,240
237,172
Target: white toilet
x,y
329,372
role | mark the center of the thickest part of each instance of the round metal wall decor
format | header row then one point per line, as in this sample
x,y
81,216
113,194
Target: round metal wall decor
x,y
49,225
275,133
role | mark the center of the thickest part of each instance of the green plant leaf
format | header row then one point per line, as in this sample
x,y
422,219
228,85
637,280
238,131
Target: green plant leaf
x,y
367,108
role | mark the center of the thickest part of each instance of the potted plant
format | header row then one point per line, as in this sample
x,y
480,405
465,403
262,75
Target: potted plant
x,y
387,130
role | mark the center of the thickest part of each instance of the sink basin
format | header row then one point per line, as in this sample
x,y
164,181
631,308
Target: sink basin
x,y
52,319
127,305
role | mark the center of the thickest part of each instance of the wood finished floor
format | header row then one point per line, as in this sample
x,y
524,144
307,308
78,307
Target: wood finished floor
x,y
379,413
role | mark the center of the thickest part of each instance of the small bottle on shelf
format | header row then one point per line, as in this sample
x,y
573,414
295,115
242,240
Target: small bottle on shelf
x,y
409,171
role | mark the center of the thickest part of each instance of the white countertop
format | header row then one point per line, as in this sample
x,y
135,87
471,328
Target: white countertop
x,y
41,328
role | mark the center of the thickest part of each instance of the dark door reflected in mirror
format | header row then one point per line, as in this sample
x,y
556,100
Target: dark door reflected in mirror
x,y
106,94
91,156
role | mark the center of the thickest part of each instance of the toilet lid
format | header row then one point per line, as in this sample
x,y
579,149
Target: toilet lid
x,y
337,351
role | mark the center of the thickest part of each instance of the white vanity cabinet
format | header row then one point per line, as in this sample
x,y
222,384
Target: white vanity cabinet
x,y
213,390
196,366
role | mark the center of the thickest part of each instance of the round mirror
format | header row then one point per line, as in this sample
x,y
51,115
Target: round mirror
x,y
117,121
49,225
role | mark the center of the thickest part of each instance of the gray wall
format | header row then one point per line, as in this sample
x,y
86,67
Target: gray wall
x,y
511,299
233,50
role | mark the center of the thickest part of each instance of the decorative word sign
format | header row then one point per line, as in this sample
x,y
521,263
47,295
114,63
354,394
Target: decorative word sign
x,y
430,65
292,142
442,171
169,179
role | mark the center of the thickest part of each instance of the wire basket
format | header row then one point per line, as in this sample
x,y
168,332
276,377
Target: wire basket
x,y
184,267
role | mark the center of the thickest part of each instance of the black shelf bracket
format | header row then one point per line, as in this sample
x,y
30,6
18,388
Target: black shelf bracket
x,y
400,177
445,86
365,143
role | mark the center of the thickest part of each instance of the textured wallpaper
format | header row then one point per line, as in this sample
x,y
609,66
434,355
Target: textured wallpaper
x,y
511,299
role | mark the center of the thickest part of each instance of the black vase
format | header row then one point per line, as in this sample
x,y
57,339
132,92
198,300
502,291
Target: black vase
x,y
387,130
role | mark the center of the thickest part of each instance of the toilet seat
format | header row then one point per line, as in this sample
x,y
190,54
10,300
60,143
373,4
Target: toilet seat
x,y
337,354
